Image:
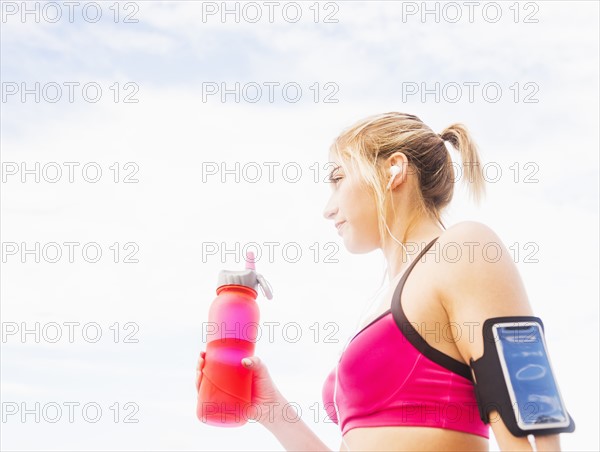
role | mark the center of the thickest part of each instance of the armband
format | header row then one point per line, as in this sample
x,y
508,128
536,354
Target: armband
x,y
514,377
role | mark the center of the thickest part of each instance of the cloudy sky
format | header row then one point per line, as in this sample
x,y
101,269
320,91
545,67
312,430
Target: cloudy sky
x,y
144,131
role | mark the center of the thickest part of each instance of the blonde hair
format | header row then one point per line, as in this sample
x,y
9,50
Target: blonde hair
x,y
367,143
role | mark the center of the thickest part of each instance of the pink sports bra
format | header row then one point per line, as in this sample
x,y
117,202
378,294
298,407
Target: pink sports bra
x,y
390,376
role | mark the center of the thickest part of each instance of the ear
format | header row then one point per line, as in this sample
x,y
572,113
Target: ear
x,y
400,160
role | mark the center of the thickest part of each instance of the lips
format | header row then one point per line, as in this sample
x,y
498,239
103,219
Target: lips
x,y
339,225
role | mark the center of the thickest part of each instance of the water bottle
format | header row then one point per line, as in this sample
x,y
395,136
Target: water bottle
x,y
233,323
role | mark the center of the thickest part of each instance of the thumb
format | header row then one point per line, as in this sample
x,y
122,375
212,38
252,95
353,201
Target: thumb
x,y
247,362
251,362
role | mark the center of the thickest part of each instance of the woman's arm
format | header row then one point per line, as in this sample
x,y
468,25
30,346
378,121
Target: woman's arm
x,y
507,441
291,431
478,287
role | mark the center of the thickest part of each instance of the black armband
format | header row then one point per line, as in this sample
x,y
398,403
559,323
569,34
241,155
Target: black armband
x,y
514,377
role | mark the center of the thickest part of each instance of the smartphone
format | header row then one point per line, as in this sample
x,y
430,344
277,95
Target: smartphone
x,y
534,394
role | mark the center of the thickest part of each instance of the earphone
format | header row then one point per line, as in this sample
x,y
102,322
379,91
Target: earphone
x,y
394,171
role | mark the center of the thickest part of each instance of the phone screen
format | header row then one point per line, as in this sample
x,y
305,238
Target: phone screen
x,y
533,390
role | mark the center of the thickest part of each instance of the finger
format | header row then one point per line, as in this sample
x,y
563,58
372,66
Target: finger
x,y
256,361
198,380
247,362
251,362
201,359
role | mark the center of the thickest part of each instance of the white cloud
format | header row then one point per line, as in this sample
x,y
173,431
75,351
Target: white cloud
x,y
171,212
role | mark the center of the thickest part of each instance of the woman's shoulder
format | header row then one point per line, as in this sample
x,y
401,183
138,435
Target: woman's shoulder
x,y
471,254
475,267
467,231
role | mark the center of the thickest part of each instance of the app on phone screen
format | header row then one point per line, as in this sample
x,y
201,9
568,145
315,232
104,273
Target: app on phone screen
x,y
532,386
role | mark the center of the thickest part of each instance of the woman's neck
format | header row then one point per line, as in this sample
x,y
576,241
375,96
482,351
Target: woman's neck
x,y
397,259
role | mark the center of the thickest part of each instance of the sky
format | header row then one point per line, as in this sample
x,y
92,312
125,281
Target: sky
x,y
140,136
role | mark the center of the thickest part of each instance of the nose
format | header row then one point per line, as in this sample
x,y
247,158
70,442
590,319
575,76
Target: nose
x,y
330,210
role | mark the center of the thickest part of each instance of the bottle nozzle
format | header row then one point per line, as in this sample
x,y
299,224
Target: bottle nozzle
x,y
247,277
250,260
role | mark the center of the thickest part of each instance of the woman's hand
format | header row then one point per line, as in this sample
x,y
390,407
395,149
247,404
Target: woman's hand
x,y
267,402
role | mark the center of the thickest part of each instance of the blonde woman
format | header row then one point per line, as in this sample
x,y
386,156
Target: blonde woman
x,y
395,388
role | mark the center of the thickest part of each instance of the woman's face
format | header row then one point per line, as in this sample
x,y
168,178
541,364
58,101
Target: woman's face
x,y
352,205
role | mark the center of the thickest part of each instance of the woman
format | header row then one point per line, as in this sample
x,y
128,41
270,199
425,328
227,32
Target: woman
x,y
392,177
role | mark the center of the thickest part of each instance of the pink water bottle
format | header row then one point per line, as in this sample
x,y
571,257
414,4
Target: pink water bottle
x,y
233,323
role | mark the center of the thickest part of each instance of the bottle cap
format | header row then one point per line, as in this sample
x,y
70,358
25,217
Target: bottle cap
x,y
247,277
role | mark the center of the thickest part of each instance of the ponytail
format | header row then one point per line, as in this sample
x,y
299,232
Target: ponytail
x,y
460,139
